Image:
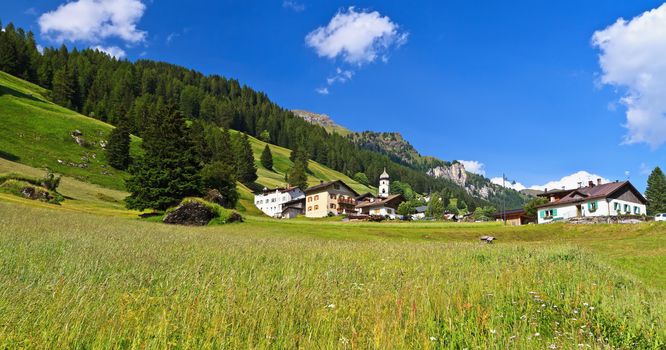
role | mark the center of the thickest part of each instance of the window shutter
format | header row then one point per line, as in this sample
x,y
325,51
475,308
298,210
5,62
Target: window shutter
x,y
555,212
542,213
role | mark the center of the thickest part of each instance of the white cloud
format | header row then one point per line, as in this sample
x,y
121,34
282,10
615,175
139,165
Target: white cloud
x,y
341,76
293,5
40,48
30,11
474,166
508,184
357,37
632,56
571,181
113,51
94,21
322,90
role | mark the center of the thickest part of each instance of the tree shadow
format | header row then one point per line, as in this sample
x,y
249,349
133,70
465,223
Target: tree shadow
x,y
254,187
9,156
4,90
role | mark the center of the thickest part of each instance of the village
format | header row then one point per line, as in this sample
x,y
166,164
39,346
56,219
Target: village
x,y
597,202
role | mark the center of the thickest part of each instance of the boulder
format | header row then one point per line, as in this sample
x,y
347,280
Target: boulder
x,y
214,196
36,194
191,213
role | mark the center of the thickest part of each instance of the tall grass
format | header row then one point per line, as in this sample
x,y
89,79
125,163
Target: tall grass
x,y
74,281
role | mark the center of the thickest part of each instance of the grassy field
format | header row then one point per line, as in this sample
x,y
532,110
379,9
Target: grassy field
x,y
72,280
36,132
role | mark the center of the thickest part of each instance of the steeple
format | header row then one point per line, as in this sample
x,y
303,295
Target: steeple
x,y
384,187
384,175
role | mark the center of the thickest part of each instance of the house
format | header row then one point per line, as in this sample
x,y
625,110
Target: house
x,y
294,208
273,201
514,217
597,199
385,204
420,213
334,197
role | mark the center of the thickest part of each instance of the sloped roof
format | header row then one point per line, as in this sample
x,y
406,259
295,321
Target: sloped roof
x,y
379,203
325,185
279,189
594,192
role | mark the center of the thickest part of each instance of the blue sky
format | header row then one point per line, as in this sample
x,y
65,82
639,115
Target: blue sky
x,y
517,86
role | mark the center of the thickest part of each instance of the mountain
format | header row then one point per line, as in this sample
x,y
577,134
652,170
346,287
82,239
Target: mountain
x,y
398,149
322,120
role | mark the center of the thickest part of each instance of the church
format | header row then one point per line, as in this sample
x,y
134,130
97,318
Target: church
x,y
384,204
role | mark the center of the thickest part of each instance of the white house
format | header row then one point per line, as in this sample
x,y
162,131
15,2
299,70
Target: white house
x,y
273,201
611,199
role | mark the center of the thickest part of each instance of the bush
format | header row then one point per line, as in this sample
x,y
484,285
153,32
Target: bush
x,y
222,215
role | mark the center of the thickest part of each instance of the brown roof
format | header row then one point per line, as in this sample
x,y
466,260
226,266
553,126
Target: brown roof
x,y
378,203
594,192
553,192
322,186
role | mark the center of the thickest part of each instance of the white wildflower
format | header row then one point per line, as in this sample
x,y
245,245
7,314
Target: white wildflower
x,y
433,338
331,306
492,331
537,334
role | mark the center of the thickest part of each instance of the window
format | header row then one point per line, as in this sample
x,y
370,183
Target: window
x,y
637,210
592,206
309,208
316,197
627,208
332,196
316,207
332,206
616,206
548,213
336,186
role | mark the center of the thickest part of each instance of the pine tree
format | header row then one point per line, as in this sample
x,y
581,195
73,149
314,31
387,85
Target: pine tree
x,y
118,147
435,208
656,192
62,88
169,169
246,170
297,175
220,176
267,158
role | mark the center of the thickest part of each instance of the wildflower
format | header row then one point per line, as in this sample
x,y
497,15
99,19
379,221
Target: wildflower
x,y
433,338
575,311
492,331
330,306
586,304
543,305
537,334
552,346
591,308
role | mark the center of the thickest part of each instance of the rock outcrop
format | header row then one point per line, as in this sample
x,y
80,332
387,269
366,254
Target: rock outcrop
x,y
455,172
190,213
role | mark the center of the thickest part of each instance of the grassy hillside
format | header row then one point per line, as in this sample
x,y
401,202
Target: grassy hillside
x,y
75,281
282,164
37,133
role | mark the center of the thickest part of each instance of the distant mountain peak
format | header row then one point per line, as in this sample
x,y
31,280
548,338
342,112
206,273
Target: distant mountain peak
x,y
322,120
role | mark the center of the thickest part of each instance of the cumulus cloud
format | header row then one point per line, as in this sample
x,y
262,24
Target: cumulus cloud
x,y
474,166
508,184
113,51
632,57
358,37
94,21
293,5
322,90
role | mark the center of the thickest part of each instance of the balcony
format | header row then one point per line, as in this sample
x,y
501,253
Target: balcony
x,y
346,201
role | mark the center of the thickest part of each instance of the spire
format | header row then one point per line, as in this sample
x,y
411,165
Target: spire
x,y
384,175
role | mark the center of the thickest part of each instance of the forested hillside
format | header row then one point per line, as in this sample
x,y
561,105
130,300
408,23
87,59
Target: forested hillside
x,y
99,86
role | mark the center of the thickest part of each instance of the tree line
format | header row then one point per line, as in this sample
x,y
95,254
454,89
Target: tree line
x,y
131,93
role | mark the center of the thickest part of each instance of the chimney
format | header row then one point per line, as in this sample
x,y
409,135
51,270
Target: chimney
x,y
590,183
598,181
545,190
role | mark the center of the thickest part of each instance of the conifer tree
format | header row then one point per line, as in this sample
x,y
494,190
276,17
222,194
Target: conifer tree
x,y
169,169
220,176
246,170
297,175
62,88
435,208
656,192
118,147
267,158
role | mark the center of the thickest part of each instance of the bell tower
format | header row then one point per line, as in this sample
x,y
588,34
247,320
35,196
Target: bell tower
x,y
384,187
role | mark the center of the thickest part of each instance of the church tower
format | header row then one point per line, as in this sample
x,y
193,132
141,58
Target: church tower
x,y
384,187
